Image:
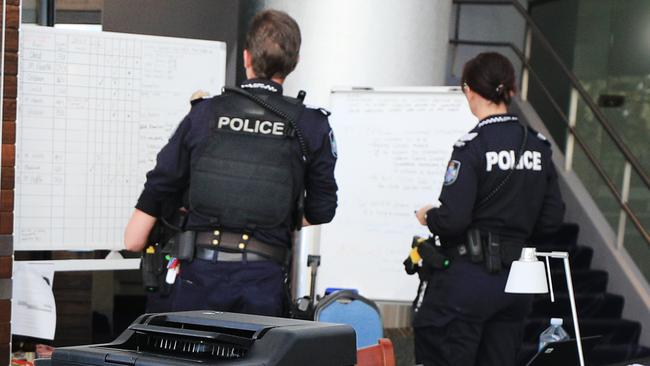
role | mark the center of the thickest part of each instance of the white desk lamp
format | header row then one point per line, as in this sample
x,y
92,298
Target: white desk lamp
x,y
527,277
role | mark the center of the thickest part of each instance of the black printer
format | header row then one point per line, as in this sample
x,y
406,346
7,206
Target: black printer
x,y
217,338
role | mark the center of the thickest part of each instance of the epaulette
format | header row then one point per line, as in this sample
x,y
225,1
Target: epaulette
x,y
465,139
324,111
540,136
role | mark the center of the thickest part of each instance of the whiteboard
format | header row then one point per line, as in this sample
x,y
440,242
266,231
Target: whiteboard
x,y
393,150
94,109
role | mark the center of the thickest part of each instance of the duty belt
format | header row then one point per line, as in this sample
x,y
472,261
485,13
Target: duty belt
x,y
207,242
508,252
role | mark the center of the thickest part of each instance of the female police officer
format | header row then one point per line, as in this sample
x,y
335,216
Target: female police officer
x,y
500,189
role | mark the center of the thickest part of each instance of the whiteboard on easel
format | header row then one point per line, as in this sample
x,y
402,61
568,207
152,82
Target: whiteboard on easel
x,y
94,109
393,149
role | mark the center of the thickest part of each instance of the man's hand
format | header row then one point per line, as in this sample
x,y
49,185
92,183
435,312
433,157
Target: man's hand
x,y
199,94
421,214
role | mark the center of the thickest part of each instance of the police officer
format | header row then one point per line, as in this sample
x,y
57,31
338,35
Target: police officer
x,y
253,165
500,189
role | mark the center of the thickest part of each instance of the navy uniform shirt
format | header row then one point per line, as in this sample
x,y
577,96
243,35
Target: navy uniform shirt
x,y
170,177
528,204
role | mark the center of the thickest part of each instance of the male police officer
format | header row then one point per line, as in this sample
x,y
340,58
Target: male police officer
x,y
500,190
250,163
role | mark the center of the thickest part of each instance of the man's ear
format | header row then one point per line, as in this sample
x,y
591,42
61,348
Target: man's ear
x,y
247,59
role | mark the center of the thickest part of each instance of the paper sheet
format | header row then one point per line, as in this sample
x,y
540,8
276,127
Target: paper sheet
x,y
33,306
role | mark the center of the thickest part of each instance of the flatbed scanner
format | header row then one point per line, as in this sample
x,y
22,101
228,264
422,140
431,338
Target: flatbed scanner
x,y
217,338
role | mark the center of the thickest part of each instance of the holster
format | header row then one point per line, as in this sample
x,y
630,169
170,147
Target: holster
x,y
153,264
430,256
152,268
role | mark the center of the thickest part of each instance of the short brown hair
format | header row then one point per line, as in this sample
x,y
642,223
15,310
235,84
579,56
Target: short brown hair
x,y
273,42
491,75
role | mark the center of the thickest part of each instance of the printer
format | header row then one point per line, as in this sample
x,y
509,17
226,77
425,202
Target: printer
x,y
217,338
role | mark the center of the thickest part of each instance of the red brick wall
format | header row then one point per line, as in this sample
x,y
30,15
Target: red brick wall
x,y
7,173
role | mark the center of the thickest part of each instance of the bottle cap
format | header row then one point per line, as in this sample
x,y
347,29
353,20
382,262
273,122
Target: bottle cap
x,y
556,321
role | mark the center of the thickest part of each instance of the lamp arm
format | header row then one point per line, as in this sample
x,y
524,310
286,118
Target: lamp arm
x,y
550,281
574,312
560,255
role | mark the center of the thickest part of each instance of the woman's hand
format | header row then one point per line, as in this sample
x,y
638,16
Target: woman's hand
x,y
421,214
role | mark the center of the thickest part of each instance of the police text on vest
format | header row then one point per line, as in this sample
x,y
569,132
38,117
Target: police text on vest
x,y
256,126
505,160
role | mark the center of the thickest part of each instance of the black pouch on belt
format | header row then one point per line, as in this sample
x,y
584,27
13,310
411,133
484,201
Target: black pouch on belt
x,y
185,241
493,254
474,245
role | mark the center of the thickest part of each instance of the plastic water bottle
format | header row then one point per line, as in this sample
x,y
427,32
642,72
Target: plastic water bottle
x,y
554,333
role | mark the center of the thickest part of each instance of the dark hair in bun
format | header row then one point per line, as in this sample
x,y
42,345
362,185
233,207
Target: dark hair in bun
x,y
491,75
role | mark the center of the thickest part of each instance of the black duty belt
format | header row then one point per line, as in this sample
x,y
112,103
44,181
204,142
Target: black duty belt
x,y
226,243
509,252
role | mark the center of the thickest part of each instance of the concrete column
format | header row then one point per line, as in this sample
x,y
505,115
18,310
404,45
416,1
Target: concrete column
x,y
367,43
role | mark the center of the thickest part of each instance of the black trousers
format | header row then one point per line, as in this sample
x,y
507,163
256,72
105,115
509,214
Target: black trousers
x,y
254,287
466,319
463,343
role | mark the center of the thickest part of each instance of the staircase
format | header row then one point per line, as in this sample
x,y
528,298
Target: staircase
x,y
599,311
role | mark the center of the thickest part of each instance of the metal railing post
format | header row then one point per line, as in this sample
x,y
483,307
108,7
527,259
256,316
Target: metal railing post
x,y
525,72
570,141
625,195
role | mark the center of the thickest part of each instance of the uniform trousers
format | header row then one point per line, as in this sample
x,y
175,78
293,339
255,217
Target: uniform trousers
x,y
466,319
251,287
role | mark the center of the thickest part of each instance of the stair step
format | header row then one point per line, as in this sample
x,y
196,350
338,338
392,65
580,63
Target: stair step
x,y
584,280
566,236
601,305
601,355
613,331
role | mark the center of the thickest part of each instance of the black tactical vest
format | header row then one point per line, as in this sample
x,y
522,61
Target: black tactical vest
x,y
249,173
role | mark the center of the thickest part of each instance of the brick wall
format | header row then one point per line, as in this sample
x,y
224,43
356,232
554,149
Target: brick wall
x,y
7,174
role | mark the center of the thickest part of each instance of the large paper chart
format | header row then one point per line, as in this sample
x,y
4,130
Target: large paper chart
x,y
94,108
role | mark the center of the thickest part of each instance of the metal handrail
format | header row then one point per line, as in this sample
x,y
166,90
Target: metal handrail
x,y
590,156
574,81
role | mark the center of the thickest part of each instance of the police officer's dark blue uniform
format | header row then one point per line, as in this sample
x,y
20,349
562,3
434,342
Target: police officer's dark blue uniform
x,y
220,277
494,187
171,175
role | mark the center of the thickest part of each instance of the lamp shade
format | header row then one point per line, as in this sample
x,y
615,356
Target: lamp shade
x,y
527,275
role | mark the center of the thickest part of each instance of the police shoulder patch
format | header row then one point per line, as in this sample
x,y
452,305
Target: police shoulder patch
x,y
465,139
452,172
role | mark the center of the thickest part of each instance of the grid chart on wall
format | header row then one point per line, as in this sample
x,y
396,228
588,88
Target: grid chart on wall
x,y
94,109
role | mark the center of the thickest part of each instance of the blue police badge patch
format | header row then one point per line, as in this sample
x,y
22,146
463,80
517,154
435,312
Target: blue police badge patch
x,y
333,144
452,172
